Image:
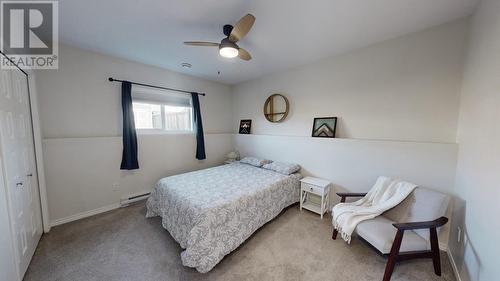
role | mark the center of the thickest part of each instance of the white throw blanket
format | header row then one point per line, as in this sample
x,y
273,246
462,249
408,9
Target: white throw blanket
x,y
384,195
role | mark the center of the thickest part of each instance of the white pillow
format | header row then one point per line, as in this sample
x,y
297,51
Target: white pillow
x,y
282,168
254,161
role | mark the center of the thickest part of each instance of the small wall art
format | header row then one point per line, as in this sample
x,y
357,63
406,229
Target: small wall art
x,y
245,126
324,127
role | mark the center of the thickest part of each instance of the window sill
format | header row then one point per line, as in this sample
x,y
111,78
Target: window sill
x,y
163,132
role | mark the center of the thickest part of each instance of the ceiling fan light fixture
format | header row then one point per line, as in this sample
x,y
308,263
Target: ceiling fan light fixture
x,y
228,52
228,49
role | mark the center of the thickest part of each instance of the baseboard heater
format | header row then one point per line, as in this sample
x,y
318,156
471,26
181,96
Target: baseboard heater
x,y
124,202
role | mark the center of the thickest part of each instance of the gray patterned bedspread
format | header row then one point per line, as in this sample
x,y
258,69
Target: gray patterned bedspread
x,y
212,211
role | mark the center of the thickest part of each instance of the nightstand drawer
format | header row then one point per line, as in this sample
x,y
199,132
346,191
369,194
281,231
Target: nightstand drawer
x,y
313,189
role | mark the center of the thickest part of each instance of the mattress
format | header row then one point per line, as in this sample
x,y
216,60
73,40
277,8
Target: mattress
x,y
212,211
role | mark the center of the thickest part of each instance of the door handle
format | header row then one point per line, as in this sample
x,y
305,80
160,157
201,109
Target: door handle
x,y
19,184
29,175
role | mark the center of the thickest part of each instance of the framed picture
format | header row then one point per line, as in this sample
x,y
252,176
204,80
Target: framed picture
x,y
324,127
245,126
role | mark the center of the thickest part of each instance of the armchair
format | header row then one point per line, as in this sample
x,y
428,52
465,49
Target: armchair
x,y
408,231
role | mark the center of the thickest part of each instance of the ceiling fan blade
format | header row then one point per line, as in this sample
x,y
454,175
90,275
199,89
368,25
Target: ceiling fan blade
x,y
241,28
244,55
201,43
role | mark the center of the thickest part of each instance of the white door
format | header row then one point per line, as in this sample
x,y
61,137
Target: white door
x,y
8,269
19,168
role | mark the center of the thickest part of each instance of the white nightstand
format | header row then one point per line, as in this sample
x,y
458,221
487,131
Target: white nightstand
x,y
319,187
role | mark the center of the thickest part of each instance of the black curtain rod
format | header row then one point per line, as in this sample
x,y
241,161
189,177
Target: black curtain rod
x,y
153,86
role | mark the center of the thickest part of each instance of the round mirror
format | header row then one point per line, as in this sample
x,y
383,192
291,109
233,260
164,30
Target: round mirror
x,y
276,108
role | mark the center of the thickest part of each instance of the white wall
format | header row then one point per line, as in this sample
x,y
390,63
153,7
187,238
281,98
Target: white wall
x,y
81,126
401,89
77,100
398,105
478,176
81,172
406,89
355,164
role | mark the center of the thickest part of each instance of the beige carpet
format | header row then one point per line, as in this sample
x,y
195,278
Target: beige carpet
x,y
124,245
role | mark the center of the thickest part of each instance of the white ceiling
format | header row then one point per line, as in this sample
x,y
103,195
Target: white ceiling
x,y
286,33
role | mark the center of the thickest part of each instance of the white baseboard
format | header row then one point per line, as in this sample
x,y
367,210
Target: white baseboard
x,y
84,214
454,266
444,247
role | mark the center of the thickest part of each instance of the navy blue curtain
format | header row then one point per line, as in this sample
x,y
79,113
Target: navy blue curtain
x,y
200,139
129,155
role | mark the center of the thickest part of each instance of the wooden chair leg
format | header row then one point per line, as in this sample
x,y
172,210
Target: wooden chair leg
x,y
436,259
393,256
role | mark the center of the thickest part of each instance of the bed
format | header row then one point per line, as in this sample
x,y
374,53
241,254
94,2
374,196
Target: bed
x,y
212,211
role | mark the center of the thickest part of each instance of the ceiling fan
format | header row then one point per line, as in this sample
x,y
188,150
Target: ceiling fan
x,y
228,47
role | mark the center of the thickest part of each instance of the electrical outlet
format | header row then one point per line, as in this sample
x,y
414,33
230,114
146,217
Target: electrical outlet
x,y
115,186
459,235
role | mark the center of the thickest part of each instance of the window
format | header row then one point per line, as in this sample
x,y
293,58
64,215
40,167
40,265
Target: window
x,y
160,110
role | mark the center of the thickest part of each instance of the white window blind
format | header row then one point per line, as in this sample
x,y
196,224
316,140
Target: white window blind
x,y
152,95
